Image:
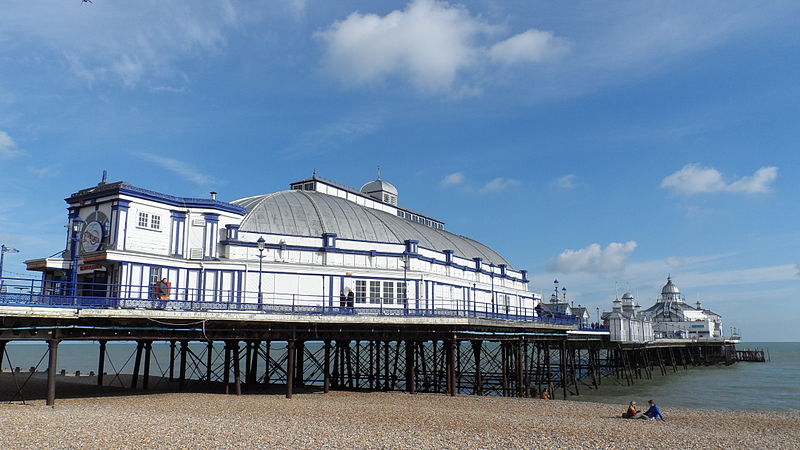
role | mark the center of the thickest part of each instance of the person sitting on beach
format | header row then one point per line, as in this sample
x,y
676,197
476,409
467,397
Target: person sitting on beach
x,y
545,395
633,412
653,412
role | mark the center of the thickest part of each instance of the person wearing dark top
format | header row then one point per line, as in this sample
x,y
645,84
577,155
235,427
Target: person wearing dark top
x,y
342,299
350,298
653,412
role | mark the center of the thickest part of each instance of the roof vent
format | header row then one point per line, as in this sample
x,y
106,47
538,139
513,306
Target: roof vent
x,y
213,195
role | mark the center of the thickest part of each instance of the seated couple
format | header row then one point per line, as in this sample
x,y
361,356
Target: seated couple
x,y
635,413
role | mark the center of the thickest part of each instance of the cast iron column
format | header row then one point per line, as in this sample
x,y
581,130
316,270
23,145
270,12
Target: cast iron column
x,y
51,371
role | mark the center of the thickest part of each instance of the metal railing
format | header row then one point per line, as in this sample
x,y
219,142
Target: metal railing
x,y
28,292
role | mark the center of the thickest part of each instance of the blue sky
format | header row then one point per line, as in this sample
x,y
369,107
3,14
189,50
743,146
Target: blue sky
x,y
601,144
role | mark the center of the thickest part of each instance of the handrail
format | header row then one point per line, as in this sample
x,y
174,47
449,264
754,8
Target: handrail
x,y
29,292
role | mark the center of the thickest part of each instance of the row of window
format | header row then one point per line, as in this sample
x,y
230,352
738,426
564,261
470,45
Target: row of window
x,y
303,187
420,219
392,292
151,221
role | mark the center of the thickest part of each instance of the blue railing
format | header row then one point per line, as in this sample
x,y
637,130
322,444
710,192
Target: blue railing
x,y
26,292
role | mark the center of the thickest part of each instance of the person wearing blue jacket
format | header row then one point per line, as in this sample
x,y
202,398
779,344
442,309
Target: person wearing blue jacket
x,y
653,412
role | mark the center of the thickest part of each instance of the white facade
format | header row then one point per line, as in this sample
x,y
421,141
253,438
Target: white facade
x,y
625,324
204,250
673,318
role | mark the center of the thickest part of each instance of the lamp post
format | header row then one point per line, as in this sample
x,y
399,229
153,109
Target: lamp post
x,y
405,281
77,226
598,316
491,273
3,251
261,244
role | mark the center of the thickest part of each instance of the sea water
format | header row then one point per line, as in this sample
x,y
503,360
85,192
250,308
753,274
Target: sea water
x,y
774,385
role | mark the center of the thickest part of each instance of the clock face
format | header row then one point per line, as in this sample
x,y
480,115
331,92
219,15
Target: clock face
x,y
92,237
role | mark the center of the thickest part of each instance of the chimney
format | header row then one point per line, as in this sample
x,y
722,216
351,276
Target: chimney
x,y
213,195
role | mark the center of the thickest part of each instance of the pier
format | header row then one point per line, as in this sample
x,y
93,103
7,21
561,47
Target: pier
x,y
236,349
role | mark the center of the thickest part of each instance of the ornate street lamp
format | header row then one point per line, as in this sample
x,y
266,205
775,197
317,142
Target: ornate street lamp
x,y
77,226
261,244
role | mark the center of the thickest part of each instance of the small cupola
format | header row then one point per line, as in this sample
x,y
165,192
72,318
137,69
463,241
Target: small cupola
x,y
381,190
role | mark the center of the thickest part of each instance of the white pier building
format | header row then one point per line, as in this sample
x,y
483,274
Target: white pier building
x,y
298,247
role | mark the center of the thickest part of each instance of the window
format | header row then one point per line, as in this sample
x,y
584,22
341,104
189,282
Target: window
x,y
155,277
361,291
374,291
388,292
143,219
297,187
155,222
308,187
401,292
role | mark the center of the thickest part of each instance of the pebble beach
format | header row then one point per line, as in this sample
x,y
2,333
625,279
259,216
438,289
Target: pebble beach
x,y
375,420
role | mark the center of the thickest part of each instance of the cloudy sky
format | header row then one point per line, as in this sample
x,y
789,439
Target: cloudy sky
x,y
603,144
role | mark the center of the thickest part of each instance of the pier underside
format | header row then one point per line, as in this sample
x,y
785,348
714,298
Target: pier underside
x,y
237,353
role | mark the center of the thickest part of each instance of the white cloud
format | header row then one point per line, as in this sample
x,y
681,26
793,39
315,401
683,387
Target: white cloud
x,y
179,168
696,179
131,44
593,258
453,179
566,182
527,47
429,42
499,184
8,148
759,183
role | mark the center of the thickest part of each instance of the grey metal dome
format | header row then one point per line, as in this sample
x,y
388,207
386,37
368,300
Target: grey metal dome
x,y
670,288
310,213
627,296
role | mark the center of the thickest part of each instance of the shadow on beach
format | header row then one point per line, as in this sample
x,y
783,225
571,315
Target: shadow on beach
x,y
26,386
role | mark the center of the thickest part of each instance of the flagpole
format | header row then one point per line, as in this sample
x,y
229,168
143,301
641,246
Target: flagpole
x,y
2,255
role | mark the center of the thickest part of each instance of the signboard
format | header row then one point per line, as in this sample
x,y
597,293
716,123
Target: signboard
x,y
92,237
88,268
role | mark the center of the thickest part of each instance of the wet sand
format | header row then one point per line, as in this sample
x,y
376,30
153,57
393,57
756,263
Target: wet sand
x,y
372,420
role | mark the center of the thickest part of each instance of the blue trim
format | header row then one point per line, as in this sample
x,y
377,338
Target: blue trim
x,y
211,217
145,194
177,215
371,253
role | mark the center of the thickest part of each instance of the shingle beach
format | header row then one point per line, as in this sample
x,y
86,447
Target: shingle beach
x,y
375,420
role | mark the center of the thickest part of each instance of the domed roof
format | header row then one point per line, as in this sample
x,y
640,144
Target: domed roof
x,y
670,288
311,213
627,296
379,185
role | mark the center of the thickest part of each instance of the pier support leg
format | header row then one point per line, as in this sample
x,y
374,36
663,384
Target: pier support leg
x,y
137,363
148,351
209,359
182,368
326,368
411,379
476,351
290,347
563,366
252,375
451,367
52,345
171,361
226,370
237,379
386,365
101,363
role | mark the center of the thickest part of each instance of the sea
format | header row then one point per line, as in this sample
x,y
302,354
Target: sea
x,y
773,385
